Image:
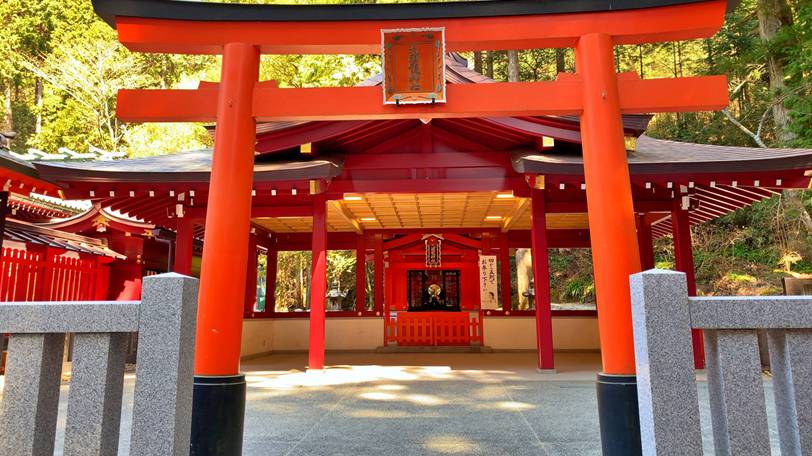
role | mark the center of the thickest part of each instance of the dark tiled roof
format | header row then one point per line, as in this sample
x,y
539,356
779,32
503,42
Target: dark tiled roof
x,y
214,11
193,166
658,156
28,233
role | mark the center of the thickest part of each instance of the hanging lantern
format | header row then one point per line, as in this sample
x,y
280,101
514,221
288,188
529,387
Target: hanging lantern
x,y
434,252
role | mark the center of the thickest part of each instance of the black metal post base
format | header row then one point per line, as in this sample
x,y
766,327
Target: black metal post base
x,y
218,414
619,415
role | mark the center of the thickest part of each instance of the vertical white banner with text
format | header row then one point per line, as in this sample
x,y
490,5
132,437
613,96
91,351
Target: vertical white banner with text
x,y
488,292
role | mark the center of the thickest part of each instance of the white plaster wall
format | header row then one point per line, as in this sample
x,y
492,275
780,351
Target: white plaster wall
x,y
501,333
292,334
519,333
256,337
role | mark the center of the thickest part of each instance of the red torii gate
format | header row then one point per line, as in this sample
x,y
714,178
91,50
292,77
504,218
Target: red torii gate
x,y
596,92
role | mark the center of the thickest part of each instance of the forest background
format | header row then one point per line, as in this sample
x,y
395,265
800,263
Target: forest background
x,y
60,68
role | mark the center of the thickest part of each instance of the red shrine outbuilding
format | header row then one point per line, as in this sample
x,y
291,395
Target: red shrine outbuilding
x,y
389,189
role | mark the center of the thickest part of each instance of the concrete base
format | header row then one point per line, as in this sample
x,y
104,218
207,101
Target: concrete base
x,y
546,371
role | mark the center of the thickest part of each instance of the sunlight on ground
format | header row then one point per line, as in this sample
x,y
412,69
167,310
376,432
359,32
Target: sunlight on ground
x,y
344,375
450,444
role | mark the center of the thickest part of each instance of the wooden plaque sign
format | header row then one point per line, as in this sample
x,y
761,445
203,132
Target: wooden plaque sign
x,y
413,66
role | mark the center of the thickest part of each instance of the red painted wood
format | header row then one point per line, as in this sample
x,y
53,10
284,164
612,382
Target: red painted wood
x,y
225,252
270,279
504,272
608,192
541,274
184,242
684,259
360,275
434,329
378,279
318,286
670,23
645,242
42,274
251,278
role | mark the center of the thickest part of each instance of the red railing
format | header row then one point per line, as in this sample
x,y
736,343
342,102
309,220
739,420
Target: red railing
x,y
45,276
434,329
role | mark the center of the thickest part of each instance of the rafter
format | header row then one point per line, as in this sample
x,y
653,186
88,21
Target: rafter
x,y
519,208
347,216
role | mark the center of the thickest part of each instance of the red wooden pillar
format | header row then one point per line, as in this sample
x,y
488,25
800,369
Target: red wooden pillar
x,y
251,278
504,267
608,191
361,274
270,277
318,285
684,259
645,242
184,243
378,283
541,279
225,251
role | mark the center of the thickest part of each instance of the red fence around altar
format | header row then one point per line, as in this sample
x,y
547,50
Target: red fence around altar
x,y
49,276
434,329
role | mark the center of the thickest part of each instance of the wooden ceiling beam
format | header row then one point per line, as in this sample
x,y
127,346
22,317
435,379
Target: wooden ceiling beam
x,y
516,213
347,216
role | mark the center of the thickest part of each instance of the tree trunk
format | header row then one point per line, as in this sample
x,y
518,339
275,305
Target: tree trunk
x,y
489,64
8,114
478,62
560,61
773,15
793,200
38,104
513,66
524,275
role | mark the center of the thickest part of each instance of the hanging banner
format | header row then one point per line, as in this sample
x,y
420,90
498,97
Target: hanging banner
x,y
487,282
413,66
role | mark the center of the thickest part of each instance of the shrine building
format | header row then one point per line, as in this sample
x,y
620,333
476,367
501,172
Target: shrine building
x,y
440,204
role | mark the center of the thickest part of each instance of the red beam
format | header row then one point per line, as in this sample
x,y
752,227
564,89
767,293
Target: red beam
x,y
672,23
701,93
427,185
464,100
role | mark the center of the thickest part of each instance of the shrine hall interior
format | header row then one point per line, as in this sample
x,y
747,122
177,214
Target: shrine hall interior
x,y
422,201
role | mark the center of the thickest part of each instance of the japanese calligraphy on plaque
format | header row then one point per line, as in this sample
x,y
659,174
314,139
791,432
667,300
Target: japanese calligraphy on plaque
x,y
487,282
413,66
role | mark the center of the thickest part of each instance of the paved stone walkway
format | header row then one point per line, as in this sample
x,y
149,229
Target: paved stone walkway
x,y
422,404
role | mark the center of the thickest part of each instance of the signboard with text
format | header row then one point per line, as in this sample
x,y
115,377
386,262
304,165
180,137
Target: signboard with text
x,y
487,282
413,66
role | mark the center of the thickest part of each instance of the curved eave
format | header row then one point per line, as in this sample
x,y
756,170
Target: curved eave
x,y
661,157
190,167
84,221
199,11
22,176
29,233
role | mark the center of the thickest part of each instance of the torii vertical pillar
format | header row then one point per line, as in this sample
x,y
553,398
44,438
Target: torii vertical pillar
x,y
318,285
218,409
684,259
615,253
541,279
